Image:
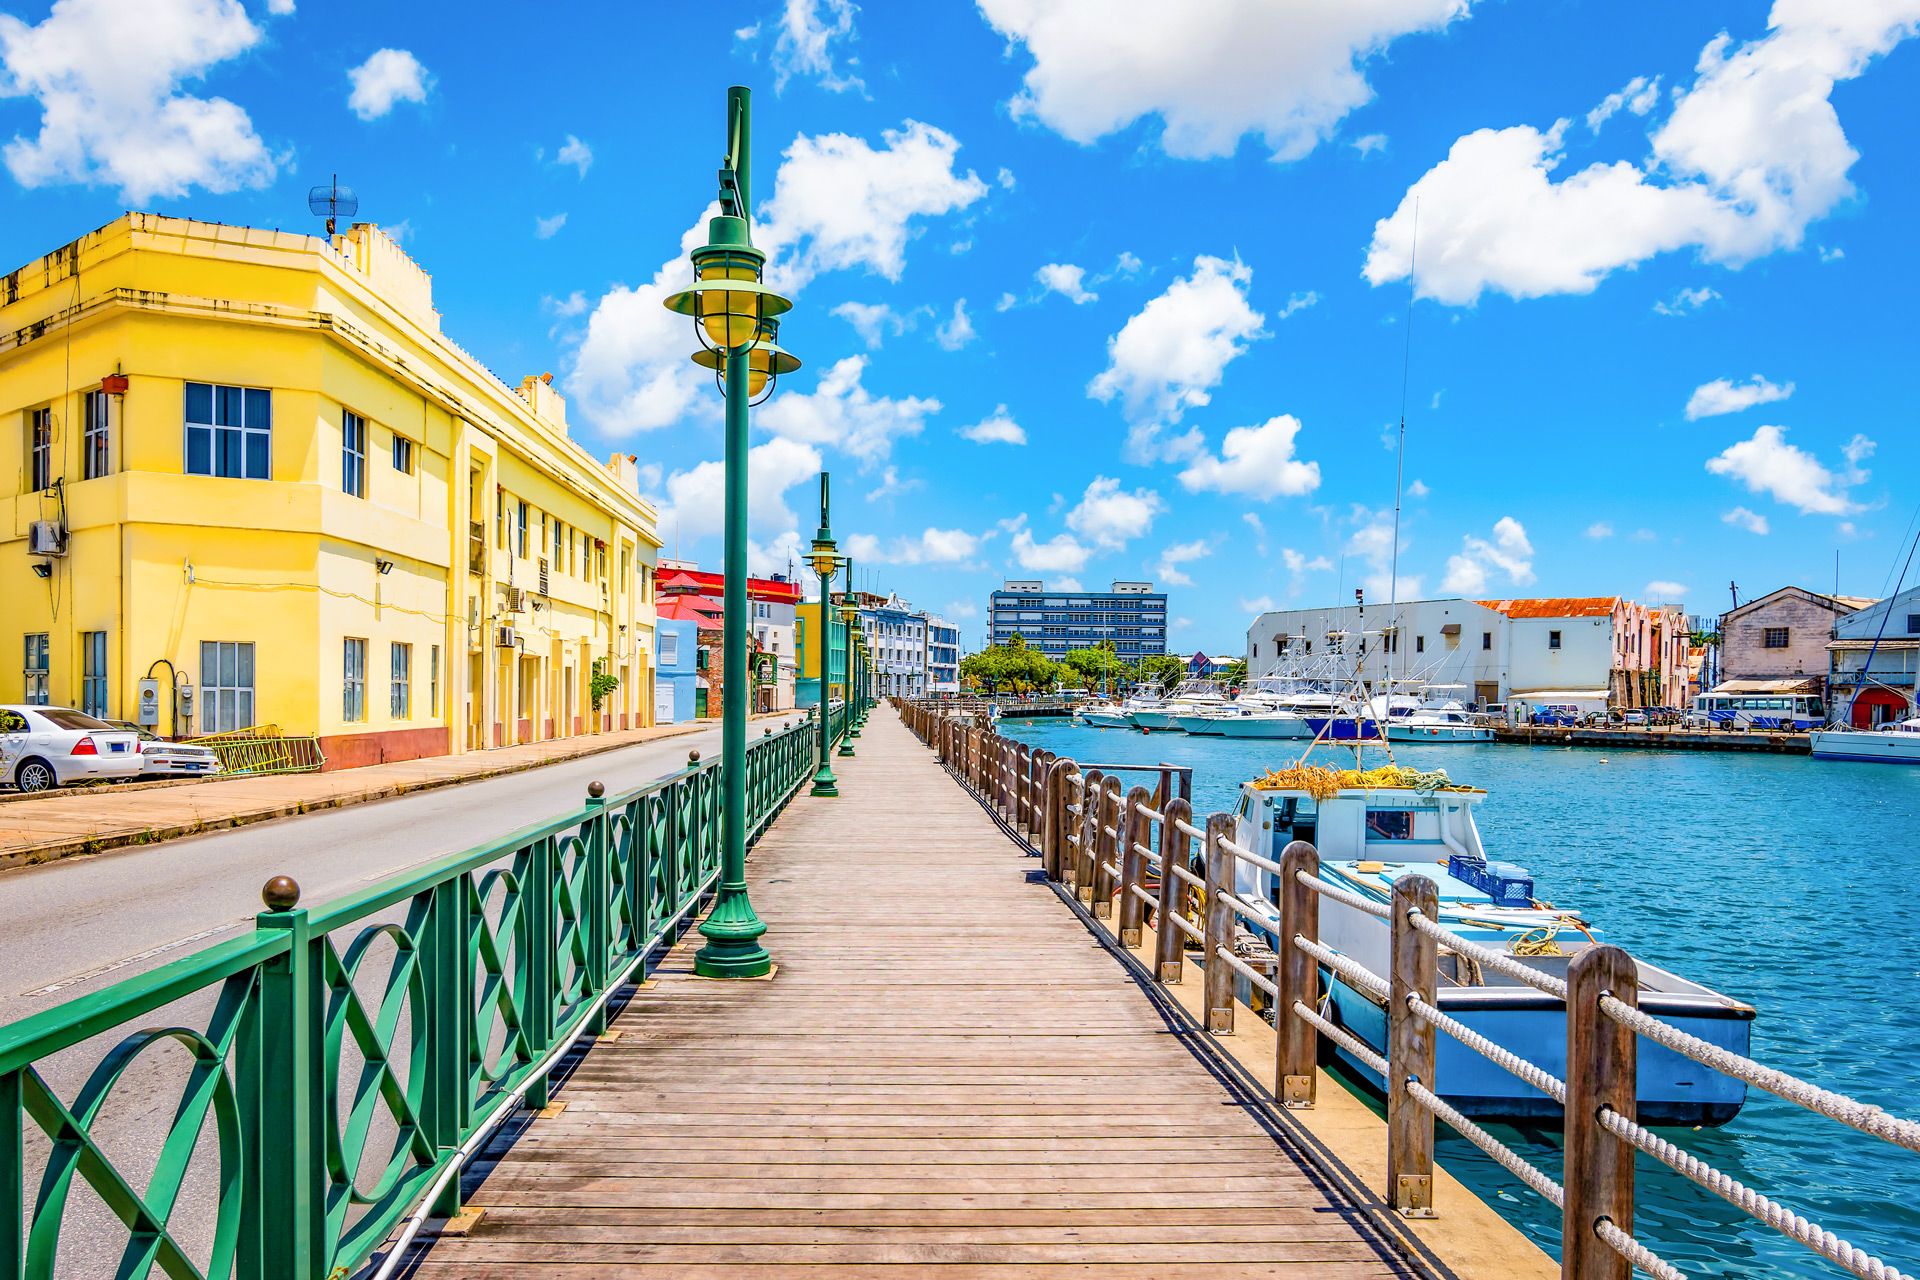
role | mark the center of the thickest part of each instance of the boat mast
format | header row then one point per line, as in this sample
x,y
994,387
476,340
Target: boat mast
x,y
1400,459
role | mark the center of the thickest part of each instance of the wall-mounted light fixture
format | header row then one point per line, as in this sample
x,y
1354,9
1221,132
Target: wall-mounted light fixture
x,y
384,567
42,568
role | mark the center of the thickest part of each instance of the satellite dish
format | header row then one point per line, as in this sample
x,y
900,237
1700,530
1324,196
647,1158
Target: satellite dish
x,y
332,201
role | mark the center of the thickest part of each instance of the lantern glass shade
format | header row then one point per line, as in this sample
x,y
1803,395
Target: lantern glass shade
x,y
731,317
825,559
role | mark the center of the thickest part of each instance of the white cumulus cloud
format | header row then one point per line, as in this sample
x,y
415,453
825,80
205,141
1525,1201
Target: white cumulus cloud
x,y
694,506
1685,301
1766,463
1067,280
106,75
841,412
1110,517
1257,462
1508,552
1660,591
997,427
576,153
839,203
809,30
1600,529
1723,396
1741,518
873,321
957,332
1211,70
548,228
1638,96
1062,553
387,77
1751,154
1167,569
1172,353
931,547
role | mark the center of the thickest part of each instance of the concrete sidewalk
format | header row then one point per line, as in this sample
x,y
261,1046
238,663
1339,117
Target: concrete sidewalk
x,y
93,819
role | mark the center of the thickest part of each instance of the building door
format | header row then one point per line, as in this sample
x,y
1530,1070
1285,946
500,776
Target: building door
x,y
1486,692
1877,706
663,702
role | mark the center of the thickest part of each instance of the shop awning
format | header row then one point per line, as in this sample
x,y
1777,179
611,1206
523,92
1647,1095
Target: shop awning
x,y
1769,684
1559,695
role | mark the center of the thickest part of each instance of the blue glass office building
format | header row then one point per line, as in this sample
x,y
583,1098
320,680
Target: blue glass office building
x,y
1132,615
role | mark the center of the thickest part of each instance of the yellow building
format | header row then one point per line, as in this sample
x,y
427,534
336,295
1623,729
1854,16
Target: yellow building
x,y
249,465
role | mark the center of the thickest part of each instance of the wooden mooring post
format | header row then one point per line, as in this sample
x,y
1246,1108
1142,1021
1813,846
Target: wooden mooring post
x,y
1169,940
1219,928
1297,976
1410,1049
1600,1074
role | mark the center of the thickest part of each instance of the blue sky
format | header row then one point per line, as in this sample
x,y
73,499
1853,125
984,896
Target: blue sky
x,y
1112,288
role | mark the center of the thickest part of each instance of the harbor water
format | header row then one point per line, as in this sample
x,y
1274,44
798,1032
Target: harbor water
x,y
1778,880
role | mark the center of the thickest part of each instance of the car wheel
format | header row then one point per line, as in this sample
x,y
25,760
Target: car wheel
x,y
35,774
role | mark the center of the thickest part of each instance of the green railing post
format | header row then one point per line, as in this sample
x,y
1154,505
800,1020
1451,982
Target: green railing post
x,y
13,1177
283,1223
598,907
448,980
540,902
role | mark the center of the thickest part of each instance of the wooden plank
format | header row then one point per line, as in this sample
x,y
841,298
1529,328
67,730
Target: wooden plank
x,y
947,1071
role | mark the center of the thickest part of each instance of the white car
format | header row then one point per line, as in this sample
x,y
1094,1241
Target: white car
x,y
160,758
45,747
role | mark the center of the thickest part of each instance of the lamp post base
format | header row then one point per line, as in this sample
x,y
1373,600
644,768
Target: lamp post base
x,y
824,783
846,746
732,931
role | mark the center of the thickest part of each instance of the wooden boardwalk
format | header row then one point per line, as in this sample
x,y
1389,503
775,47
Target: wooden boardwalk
x,y
946,1071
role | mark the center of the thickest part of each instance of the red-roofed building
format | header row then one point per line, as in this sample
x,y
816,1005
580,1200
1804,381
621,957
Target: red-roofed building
x,y
686,591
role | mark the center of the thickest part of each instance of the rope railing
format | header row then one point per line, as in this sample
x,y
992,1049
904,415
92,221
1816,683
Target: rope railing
x,y
1148,854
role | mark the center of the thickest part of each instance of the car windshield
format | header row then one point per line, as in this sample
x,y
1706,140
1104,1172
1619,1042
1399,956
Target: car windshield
x,y
63,718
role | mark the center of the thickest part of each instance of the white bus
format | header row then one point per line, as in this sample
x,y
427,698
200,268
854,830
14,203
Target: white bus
x,y
1776,711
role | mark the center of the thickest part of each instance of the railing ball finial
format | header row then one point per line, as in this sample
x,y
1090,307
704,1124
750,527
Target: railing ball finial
x,y
693,758
596,789
281,893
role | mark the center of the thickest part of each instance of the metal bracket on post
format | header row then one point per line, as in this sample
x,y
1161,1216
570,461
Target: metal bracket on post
x,y
1169,948
1219,931
1298,977
1600,1073
1133,827
1410,1049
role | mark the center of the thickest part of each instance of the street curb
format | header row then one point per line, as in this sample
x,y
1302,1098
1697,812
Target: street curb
x,y
87,846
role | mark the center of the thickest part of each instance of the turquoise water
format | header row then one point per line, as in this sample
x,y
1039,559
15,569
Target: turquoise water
x,y
1779,880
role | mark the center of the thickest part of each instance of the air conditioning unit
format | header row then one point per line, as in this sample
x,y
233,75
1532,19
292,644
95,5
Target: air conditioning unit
x,y
505,638
516,600
46,538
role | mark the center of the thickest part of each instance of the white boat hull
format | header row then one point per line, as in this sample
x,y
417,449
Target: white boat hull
x,y
1865,745
1151,719
1439,733
1265,727
1201,725
1104,719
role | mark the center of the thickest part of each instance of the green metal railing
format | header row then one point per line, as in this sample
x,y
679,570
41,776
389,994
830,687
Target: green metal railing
x,y
353,1048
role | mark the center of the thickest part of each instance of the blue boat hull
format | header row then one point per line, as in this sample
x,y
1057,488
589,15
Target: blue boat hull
x,y
1673,1089
1344,729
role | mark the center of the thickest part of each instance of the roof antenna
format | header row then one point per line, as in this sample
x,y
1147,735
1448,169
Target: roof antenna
x,y
331,202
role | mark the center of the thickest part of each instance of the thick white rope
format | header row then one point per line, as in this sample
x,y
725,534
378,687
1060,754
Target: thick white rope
x,y
1499,1055
1353,971
1248,855
1143,895
1835,1106
1193,831
1747,1200
1354,900
1352,1045
1248,972
1151,815
1499,960
1189,928
1188,877
1635,1252
1508,1158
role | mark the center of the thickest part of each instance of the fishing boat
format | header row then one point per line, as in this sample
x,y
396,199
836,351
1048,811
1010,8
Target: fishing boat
x,y
1189,698
1438,717
1896,742
1373,827
1103,715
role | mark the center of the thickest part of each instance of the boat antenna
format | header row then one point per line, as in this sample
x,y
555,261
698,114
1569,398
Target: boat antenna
x,y
1400,458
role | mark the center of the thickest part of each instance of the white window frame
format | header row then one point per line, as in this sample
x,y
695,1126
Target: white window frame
x,y
353,454
353,679
246,430
400,680
226,704
97,457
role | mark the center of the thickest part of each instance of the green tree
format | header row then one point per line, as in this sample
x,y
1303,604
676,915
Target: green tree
x,y
1095,667
1234,672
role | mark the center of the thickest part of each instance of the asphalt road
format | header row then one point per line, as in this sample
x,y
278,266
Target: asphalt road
x,y
75,926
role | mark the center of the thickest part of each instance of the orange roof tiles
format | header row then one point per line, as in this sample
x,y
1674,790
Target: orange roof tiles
x,y
1556,607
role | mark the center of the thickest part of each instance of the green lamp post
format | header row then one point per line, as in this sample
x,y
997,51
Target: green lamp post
x,y
856,650
824,559
735,316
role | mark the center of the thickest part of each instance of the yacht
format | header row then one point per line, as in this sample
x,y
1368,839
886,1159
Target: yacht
x,y
1386,823
1190,698
1436,717
1896,742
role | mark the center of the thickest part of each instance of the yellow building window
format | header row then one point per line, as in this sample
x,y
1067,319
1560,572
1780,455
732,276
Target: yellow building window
x,y
400,681
353,680
39,450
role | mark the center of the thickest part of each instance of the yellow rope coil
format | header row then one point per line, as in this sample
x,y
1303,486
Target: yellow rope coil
x,y
1323,783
